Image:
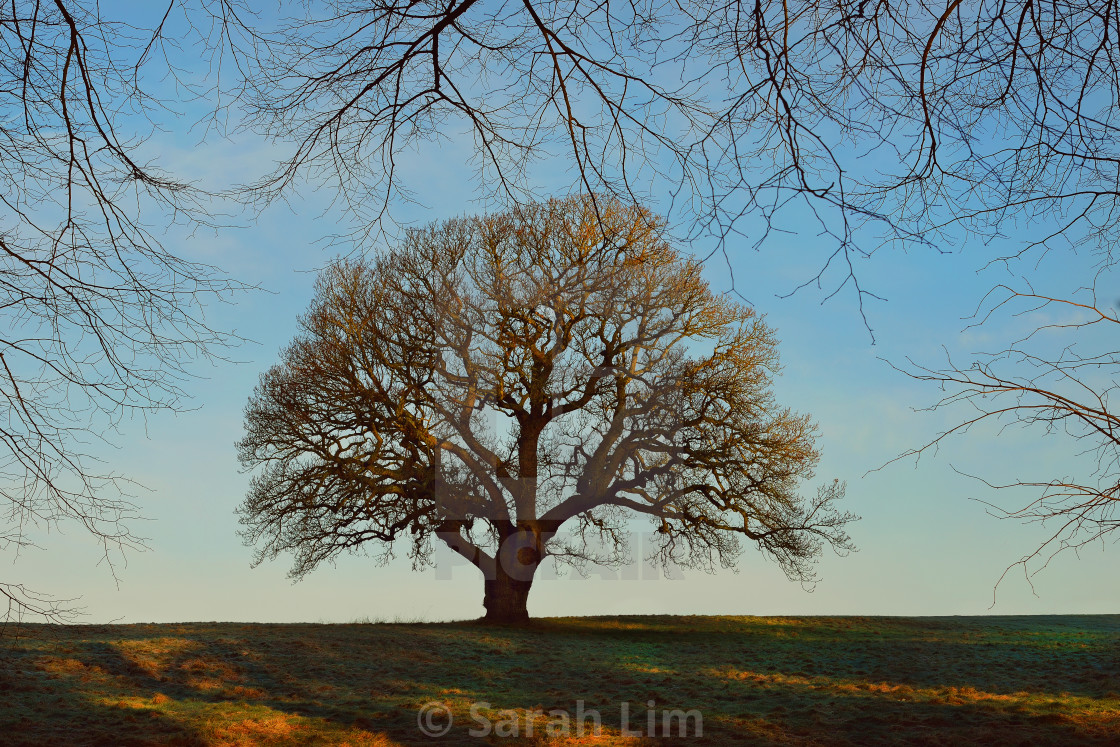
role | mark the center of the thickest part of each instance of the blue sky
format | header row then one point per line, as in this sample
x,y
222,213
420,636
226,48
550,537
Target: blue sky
x,y
926,548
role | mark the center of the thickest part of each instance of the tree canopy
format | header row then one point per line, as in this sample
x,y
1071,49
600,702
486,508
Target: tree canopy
x,y
491,379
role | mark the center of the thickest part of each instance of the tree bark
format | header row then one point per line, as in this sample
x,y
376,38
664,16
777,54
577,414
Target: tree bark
x,y
506,599
506,594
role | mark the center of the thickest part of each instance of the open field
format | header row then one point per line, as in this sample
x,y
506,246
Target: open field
x,y
754,680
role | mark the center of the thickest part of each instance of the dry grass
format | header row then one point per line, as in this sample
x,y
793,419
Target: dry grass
x,y
1011,680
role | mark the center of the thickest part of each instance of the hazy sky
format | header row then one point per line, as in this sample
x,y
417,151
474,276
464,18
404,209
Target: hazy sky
x,y
926,548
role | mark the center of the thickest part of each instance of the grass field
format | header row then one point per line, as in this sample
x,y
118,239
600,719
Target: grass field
x,y
753,680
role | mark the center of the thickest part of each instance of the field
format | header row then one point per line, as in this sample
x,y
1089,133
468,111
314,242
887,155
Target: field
x,y
752,680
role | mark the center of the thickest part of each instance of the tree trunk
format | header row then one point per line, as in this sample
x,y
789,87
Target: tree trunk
x,y
506,599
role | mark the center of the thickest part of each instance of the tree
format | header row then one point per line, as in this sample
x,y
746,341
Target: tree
x,y
916,124
98,318
491,379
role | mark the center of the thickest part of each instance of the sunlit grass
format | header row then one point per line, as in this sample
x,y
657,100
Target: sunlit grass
x,y
840,680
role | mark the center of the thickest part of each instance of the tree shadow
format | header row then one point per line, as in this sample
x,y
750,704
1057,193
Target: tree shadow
x,y
753,680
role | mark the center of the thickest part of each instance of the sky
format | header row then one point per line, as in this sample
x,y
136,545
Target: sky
x,y
927,545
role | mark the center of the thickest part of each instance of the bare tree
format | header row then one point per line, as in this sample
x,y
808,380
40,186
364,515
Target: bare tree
x,y
97,318
1058,379
914,123
492,379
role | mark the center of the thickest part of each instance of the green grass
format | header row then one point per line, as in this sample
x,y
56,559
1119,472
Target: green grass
x,y
755,680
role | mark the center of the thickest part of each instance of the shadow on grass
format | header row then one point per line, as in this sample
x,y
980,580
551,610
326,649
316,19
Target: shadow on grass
x,y
753,680
59,700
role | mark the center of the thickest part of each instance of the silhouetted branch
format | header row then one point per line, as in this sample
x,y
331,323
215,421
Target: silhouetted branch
x,y
1061,390
879,122
97,318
